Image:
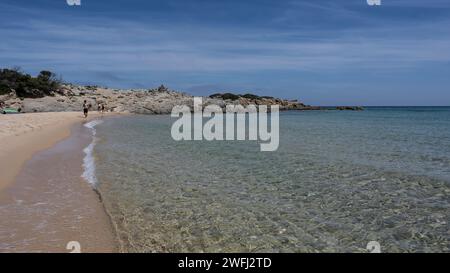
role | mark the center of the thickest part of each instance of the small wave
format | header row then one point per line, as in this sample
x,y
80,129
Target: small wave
x,y
91,125
89,160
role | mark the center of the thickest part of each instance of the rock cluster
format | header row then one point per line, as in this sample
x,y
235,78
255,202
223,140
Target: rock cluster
x,y
71,98
250,99
153,101
349,108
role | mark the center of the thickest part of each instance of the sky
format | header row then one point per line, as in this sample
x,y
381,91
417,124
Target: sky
x,y
322,52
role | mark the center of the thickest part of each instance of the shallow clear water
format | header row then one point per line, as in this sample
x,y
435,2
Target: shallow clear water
x,y
338,181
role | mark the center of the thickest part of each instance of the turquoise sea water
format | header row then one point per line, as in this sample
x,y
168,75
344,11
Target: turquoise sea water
x,y
337,181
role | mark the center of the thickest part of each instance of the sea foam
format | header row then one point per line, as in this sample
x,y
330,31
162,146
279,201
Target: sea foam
x,y
89,160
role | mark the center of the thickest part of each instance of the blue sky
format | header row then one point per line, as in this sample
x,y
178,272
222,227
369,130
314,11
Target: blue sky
x,y
323,52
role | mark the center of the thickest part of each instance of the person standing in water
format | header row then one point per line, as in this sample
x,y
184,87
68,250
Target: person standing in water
x,y
85,109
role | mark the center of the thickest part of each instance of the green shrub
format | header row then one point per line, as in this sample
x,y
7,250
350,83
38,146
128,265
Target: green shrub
x,y
225,96
26,86
251,96
4,89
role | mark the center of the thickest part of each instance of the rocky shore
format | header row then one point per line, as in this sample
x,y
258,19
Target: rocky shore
x,y
139,101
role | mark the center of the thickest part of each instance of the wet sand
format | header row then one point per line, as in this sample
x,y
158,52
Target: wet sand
x,y
25,134
49,204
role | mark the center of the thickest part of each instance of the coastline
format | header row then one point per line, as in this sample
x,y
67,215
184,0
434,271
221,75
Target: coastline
x,y
23,135
42,194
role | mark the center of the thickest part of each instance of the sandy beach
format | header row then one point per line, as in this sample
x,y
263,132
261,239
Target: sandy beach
x,y
23,135
42,195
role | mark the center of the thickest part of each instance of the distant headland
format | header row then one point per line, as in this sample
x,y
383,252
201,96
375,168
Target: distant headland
x,y
47,93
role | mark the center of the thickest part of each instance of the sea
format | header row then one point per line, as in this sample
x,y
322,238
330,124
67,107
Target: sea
x,y
340,181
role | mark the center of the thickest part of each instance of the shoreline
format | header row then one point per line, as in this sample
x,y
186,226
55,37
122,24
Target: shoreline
x,y
23,135
42,193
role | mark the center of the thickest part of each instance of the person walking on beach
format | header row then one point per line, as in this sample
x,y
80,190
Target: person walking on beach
x,y
103,108
85,109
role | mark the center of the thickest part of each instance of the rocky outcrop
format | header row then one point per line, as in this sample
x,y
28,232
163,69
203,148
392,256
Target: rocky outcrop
x,y
71,98
349,108
160,100
285,105
251,99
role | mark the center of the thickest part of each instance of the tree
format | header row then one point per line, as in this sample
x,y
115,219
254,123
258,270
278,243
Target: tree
x,y
45,75
26,86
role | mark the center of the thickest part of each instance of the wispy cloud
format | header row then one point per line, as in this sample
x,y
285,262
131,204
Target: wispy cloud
x,y
301,36
131,46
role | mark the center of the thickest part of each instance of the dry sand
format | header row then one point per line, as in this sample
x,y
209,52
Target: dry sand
x,y
42,195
